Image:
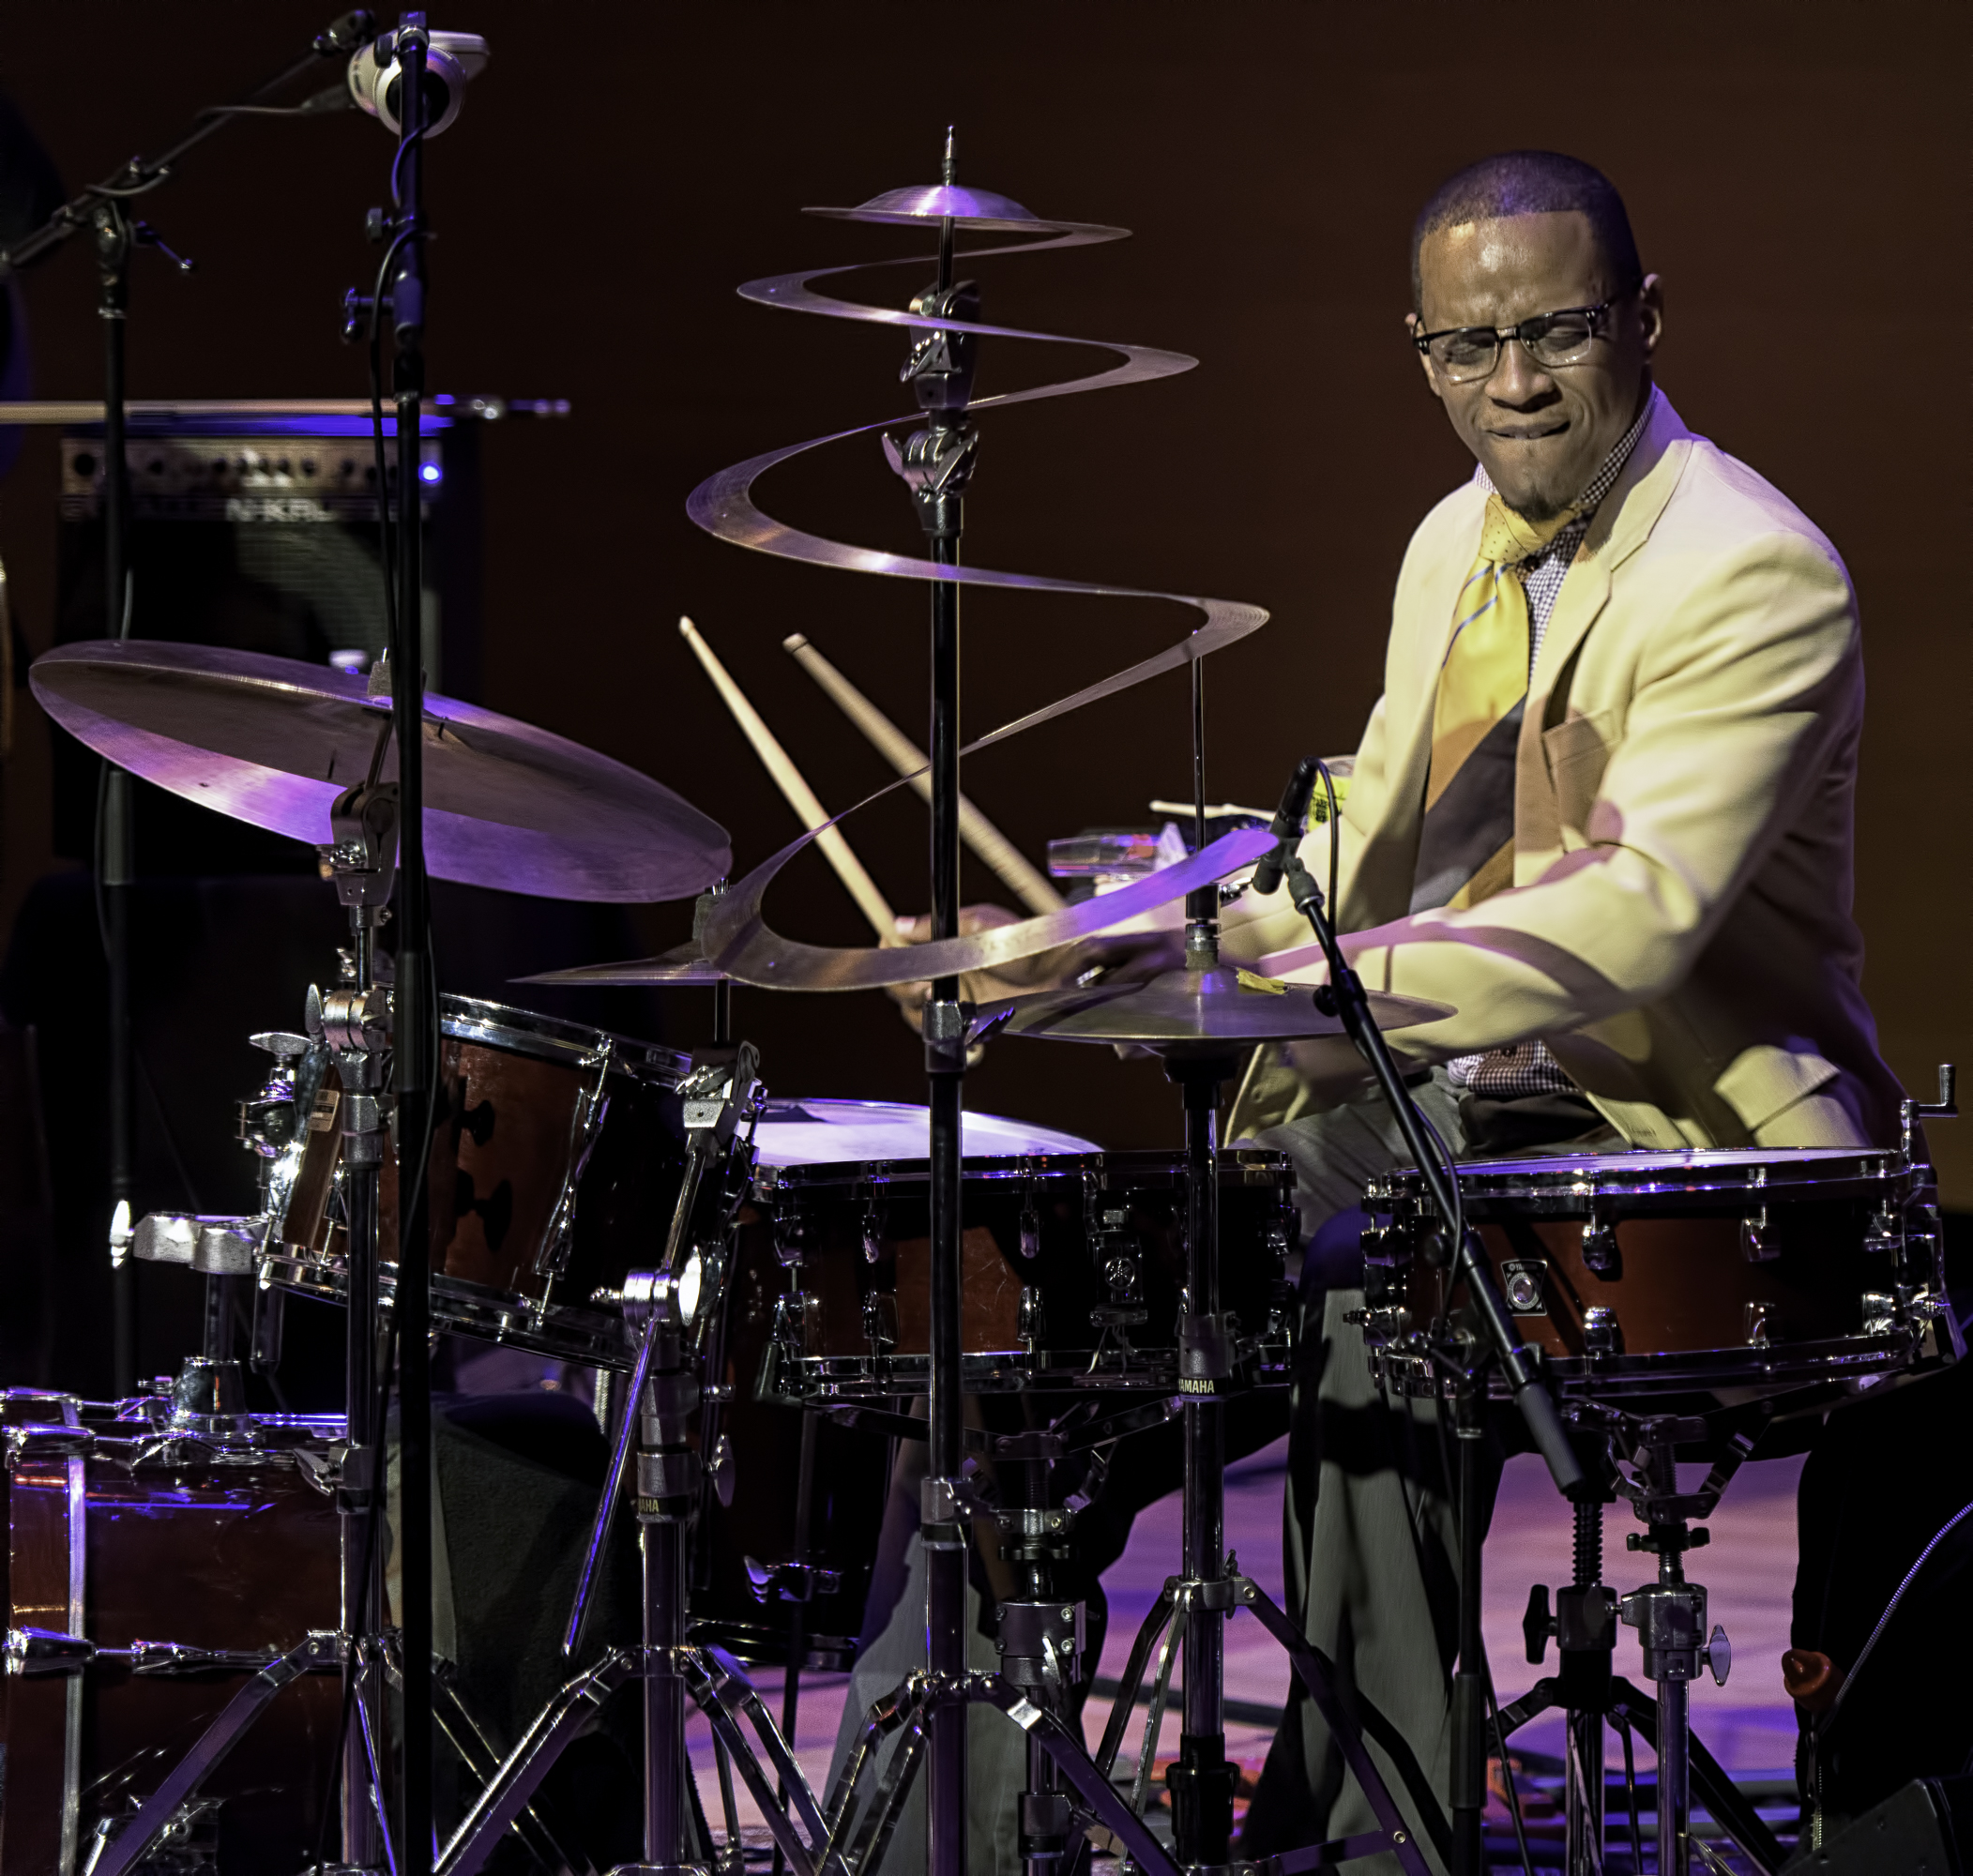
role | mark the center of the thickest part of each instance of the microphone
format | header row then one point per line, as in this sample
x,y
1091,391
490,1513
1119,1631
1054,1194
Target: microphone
x,y
450,61
1286,827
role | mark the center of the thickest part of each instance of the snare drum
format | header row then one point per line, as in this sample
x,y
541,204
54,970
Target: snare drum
x,y
120,1533
1745,1273
1072,1268
556,1157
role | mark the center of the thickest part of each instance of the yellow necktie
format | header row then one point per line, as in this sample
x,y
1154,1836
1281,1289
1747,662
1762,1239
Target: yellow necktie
x,y
1466,847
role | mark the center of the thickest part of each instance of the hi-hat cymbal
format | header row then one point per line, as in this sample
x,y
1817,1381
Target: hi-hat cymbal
x,y
1184,1011
273,741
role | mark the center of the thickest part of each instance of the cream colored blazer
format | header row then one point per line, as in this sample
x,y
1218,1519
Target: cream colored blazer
x,y
1679,929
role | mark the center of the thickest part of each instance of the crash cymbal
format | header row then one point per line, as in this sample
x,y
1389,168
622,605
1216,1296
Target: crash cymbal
x,y
1184,1009
273,741
681,964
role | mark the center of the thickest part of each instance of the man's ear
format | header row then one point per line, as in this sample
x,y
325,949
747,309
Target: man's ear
x,y
1650,310
1413,327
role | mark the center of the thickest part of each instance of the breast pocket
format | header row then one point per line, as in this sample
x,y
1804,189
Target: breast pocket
x,y
1577,750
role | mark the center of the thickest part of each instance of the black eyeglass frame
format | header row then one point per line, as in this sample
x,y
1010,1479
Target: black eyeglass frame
x,y
1503,336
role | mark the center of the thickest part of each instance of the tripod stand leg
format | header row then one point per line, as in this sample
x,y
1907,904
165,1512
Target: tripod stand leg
x,y
183,1783
883,1719
880,1818
1126,1700
1154,1718
1099,1798
1349,1729
709,1678
529,1763
467,1737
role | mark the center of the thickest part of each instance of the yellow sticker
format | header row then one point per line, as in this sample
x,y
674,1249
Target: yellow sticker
x,y
1251,980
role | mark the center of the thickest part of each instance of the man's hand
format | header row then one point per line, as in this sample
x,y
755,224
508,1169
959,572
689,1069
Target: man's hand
x,y
1137,955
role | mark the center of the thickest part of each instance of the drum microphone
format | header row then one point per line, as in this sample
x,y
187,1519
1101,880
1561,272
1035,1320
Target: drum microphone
x,y
451,60
1289,820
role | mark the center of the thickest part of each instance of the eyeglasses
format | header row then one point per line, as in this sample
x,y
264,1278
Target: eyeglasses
x,y
1465,354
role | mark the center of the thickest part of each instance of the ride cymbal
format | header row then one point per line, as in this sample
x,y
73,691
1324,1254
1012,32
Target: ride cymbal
x,y
273,741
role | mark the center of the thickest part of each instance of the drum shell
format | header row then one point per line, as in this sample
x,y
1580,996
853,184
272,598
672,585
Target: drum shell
x,y
233,1556
835,1215
540,1125
1746,1270
849,1484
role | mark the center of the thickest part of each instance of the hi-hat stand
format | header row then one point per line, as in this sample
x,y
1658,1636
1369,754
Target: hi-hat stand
x,y
103,210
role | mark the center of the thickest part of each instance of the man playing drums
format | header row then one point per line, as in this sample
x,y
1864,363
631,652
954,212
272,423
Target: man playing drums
x,y
1602,810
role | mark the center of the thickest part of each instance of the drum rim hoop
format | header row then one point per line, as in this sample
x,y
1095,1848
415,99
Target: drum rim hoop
x,y
554,1038
1020,1166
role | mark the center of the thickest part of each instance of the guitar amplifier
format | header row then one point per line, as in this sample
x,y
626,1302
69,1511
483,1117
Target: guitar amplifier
x,y
254,526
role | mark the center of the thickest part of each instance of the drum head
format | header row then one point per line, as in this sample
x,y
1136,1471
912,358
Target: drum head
x,y
805,1132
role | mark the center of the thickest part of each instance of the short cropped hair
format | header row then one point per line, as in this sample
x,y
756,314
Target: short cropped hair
x,y
1531,182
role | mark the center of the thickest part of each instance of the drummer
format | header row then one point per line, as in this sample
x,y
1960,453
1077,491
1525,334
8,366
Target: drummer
x,y
1603,811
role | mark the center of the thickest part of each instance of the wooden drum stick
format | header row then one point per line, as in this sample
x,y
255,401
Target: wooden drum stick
x,y
1031,887
801,797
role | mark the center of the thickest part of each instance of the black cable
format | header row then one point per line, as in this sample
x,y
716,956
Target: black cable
x,y
386,559
1623,1726
1329,788
1507,1771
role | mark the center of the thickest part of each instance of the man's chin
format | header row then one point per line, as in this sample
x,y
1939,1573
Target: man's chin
x,y
1535,498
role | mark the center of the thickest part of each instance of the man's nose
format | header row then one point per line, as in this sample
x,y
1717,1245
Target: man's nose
x,y
1517,379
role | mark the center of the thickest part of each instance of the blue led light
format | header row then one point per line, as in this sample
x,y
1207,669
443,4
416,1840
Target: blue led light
x,y
430,471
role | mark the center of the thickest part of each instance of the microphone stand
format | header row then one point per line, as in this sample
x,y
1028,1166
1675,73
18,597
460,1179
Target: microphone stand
x,y
415,1066
102,209
1343,996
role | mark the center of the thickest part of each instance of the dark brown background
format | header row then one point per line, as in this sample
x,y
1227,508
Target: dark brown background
x,y
1795,173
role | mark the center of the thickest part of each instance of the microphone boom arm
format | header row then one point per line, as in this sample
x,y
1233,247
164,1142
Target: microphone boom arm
x,y
140,175
1517,1362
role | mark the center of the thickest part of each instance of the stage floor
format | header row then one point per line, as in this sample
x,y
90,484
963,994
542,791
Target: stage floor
x,y
1749,1568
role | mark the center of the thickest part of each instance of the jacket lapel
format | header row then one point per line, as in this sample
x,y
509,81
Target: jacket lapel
x,y
1623,524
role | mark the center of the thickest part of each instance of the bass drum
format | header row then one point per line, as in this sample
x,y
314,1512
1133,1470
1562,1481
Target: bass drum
x,y
556,1156
121,1531
1736,1274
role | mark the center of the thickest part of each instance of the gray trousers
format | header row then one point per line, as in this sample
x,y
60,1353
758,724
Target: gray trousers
x,y
1370,1529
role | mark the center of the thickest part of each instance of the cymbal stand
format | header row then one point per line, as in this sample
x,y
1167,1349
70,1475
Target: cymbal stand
x,y
674,1309
936,464
355,1021
1188,1615
1040,1641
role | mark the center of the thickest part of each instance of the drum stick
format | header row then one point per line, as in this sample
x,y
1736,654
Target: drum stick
x,y
1030,886
801,797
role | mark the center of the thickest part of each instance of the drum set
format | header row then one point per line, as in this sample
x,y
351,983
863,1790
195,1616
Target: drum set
x,y
765,1317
